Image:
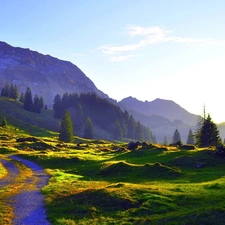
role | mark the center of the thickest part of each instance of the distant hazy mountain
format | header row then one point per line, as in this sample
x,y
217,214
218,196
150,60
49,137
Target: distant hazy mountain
x,y
44,74
160,107
163,117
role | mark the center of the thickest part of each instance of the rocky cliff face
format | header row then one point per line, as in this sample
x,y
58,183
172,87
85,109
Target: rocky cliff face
x,y
44,74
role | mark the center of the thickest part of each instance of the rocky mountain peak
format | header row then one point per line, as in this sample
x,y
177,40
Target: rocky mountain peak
x,y
44,74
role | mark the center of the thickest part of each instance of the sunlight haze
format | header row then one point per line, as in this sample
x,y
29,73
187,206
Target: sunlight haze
x,y
146,49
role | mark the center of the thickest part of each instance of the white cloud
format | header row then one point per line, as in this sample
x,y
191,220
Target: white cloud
x,y
120,58
149,36
134,30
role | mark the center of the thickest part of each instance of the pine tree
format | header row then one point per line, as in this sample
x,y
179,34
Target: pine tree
x,y
5,90
176,137
79,116
37,104
208,134
139,134
15,92
190,138
57,107
28,102
11,91
117,130
88,129
154,139
66,132
165,142
4,122
22,98
131,127
147,135
41,102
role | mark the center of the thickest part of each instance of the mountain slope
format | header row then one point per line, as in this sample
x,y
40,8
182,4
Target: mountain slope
x,y
44,74
160,107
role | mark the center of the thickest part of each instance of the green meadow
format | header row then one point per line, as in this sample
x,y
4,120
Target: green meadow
x,y
100,182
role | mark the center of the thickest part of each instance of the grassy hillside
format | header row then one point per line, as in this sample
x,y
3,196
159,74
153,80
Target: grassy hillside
x,y
38,124
99,182
32,123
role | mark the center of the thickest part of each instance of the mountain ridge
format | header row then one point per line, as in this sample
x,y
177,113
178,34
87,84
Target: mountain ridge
x,y
51,75
162,107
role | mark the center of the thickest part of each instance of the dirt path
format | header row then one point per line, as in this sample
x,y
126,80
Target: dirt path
x,y
28,204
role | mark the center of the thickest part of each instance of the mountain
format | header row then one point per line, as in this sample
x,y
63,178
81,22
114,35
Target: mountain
x,y
163,117
44,74
165,108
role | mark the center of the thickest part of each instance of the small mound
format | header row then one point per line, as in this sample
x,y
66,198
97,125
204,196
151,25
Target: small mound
x,y
101,199
143,172
189,162
158,170
116,169
186,161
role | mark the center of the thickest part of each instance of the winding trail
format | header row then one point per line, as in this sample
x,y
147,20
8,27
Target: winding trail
x,y
28,204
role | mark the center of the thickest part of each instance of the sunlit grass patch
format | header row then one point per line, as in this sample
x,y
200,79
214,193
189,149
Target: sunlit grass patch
x,y
3,171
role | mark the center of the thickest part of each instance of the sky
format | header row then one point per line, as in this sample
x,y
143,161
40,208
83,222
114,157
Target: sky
x,y
147,49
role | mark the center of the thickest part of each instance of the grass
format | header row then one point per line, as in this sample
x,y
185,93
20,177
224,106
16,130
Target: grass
x,y
3,171
99,182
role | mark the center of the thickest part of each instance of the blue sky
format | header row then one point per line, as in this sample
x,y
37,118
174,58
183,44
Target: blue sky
x,y
170,49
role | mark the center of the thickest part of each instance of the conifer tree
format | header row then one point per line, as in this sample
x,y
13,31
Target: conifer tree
x,y
28,102
79,116
176,137
208,134
5,90
165,142
154,139
41,102
15,92
37,104
22,98
57,107
139,134
88,129
190,138
131,127
117,130
11,91
4,122
66,132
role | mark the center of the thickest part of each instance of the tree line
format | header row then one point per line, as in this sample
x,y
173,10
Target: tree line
x,y
207,134
10,91
29,104
102,113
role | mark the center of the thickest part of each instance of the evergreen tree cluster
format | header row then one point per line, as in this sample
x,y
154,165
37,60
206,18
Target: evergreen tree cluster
x,y
108,116
10,91
32,105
